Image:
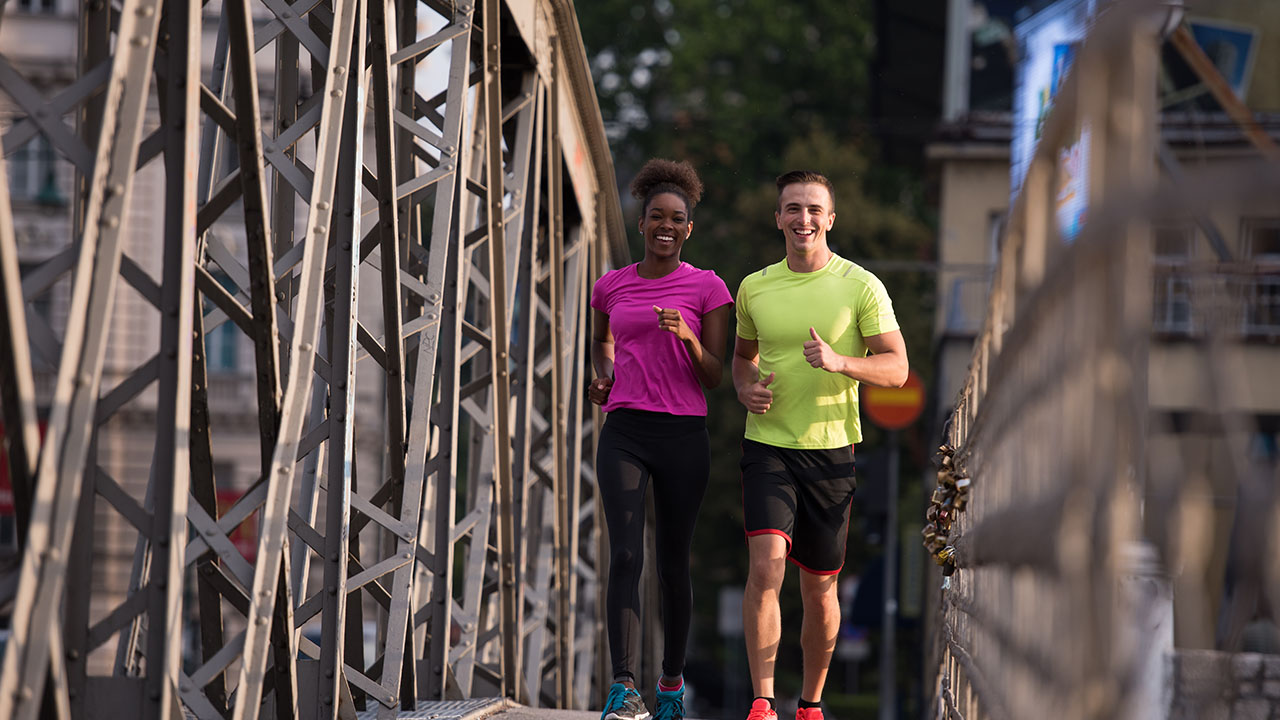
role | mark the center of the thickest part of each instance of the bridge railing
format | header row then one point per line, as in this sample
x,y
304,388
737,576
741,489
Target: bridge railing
x,y
1064,528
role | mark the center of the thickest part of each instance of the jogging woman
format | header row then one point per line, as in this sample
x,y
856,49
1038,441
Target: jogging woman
x,y
659,333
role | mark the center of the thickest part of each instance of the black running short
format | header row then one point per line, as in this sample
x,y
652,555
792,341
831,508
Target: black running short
x,y
802,495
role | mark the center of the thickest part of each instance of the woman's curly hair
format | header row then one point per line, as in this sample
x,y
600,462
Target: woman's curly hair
x,y
667,176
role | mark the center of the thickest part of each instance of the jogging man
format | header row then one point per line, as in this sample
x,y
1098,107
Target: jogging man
x,y
805,327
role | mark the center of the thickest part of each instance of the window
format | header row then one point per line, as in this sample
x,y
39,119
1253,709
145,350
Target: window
x,y
1173,304
967,290
33,174
1260,240
967,303
996,222
40,6
1264,447
1262,306
221,344
1172,247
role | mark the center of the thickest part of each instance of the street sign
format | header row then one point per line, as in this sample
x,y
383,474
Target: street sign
x,y
894,408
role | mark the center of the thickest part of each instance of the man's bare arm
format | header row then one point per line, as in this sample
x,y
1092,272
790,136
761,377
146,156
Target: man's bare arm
x,y
886,366
753,392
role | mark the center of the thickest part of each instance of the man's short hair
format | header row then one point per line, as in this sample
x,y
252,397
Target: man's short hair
x,y
795,177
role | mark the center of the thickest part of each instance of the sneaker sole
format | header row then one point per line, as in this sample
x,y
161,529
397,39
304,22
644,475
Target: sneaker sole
x,y
616,716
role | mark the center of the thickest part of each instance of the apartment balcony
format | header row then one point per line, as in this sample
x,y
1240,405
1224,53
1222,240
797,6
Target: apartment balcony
x,y
1193,301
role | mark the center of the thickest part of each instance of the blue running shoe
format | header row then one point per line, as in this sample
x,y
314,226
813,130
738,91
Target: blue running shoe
x,y
670,704
624,703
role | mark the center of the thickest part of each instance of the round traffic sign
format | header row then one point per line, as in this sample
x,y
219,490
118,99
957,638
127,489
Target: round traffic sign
x,y
894,408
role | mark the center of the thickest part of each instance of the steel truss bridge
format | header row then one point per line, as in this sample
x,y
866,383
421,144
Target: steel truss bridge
x,y
402,206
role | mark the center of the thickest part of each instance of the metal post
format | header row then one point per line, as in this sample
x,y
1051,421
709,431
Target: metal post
x,y
889,618
440,336
559,423
272,543
955,92
253,193
17,398
171,465
499,342
342,397
576,295
399,654
535,588
59,483
203,482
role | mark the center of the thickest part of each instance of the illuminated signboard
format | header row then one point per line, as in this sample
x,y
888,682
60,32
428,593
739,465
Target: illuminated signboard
x,y
1232,48
1072,186
1047,43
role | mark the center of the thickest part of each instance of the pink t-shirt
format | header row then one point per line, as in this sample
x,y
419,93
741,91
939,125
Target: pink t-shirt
x,y
651,369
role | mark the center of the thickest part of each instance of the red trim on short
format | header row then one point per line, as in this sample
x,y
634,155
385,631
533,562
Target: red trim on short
x,y
811,571
771,531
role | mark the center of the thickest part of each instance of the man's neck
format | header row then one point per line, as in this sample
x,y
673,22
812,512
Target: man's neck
x,y
808,262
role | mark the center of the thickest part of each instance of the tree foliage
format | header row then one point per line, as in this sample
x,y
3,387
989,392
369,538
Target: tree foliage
x,y
726,84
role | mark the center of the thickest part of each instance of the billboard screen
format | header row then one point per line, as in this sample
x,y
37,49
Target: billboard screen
x,y
1047,43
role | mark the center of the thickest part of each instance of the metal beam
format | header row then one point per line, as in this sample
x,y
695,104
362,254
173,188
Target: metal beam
x,y
64,455
466,554
494,174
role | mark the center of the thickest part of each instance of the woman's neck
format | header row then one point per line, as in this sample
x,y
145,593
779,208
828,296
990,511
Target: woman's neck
x,y
654,267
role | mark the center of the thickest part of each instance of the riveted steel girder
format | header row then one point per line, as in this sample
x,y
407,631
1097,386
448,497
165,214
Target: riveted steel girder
x,y
397,214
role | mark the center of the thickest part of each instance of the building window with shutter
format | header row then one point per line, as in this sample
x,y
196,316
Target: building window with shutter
x,y
1260,289
1173,249
34,174
221,343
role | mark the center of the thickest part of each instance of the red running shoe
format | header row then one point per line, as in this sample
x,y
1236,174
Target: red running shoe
x,y
813,713
760,710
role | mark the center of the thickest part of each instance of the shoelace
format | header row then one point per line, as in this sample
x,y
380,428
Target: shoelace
x,y
617,696
671,709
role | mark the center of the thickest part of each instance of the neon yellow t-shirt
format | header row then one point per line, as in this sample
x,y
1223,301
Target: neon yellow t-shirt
x,y
812,408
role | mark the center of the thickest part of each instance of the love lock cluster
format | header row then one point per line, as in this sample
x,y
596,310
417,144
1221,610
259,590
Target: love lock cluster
x,y
949,498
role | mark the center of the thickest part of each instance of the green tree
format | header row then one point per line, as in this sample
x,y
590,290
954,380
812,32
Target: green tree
x,y
726,84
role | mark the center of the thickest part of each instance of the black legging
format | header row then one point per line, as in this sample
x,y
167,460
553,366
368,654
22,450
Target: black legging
x,y
674,450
